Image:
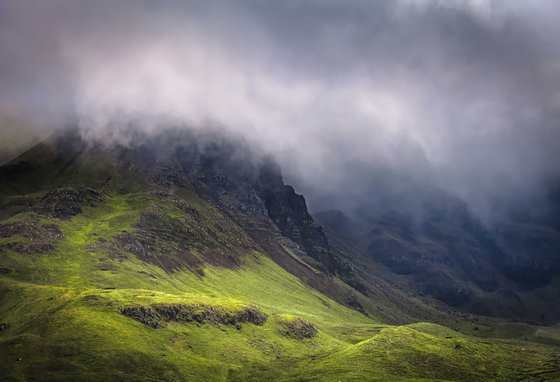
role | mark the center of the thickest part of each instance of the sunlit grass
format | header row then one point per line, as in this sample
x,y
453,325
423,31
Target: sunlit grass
x,y
64,322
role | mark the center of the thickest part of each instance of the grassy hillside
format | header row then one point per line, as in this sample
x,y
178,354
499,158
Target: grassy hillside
x,y
63,311
162,270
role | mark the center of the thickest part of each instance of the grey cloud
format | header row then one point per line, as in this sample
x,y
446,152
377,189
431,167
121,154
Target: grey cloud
x,y
358,100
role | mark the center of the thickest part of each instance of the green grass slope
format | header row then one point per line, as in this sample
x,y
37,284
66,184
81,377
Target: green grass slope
x,y
62,309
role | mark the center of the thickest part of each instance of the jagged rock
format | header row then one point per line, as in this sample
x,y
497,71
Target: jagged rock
x,y
67,202
289,212
107,267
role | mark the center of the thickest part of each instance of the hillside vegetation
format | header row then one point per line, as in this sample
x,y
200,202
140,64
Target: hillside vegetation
x,y
112,280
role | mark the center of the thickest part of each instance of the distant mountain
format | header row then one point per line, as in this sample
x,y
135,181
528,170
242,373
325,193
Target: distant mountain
x,y
185,257
507,269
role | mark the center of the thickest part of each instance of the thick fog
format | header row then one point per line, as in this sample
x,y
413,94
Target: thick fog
x,y
362,102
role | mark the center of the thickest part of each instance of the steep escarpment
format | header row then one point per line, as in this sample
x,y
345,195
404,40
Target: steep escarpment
x,y
288,211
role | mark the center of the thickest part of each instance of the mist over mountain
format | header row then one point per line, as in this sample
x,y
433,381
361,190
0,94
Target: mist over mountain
x,y
280,190
375,104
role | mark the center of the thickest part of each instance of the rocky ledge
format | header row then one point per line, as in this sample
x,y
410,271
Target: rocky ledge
x,y
156,316
297,328
67,202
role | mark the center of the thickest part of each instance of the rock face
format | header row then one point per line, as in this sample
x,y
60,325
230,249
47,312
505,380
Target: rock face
x,y
298,328
157,316
250,189
67,202
143,314
288,211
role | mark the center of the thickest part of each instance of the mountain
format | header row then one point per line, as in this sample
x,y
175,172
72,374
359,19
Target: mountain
x,y
507,269
185,256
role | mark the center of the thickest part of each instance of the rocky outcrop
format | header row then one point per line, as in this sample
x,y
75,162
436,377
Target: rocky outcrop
x,y
181,238
288,211
67,202
297,328
143,314
161,240
29,236
156,316
30,230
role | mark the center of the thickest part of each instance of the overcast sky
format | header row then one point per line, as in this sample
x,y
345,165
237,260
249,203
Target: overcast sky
x,y
355,98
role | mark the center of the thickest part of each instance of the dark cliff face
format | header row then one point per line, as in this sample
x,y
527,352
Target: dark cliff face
x,y
250,184
288,211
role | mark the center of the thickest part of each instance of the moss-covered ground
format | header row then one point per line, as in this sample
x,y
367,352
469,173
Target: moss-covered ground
x,y
61,310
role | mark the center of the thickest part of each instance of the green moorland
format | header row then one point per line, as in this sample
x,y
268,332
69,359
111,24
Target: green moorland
x,y
62,311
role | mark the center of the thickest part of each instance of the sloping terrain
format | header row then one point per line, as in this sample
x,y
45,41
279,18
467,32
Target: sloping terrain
x,y
444,251
195,263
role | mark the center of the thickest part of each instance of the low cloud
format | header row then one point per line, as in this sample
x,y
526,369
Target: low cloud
x,y
359,101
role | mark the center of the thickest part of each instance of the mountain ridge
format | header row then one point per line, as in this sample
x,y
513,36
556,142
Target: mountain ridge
x,y
188,258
